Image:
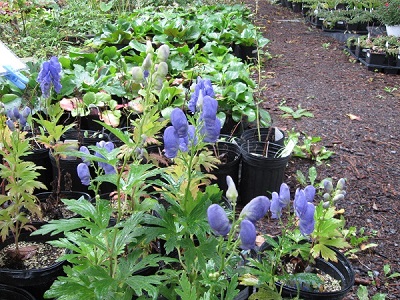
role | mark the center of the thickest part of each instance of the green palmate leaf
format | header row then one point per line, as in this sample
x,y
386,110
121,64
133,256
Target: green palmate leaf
x,y
186,290
320,250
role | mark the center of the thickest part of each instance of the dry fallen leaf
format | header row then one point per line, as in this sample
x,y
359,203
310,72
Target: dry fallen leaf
x,y
259,240
353,117
374,206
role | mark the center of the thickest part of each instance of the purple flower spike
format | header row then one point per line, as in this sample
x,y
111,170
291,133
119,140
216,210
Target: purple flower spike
x,y
247,235
16,113
180,123
309,192
256,209
50,75
171,142
218,220
84,173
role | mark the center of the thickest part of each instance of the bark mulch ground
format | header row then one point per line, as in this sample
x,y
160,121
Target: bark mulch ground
x,y
309,67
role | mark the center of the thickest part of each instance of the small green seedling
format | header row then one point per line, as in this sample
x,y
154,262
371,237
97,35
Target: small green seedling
x,y
295,114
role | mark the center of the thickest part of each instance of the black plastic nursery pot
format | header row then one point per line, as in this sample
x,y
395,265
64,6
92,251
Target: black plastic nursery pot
x,y
340,270
230,157
8,292
41,158
262,170
265,134
34,281
85,137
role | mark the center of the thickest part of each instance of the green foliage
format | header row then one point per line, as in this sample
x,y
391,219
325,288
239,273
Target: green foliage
x,y
312,176
310,149
17,203
362,294
295,114
105,260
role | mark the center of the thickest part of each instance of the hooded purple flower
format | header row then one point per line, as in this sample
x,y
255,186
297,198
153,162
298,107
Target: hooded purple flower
x,y
304,211
109,146
50,75
10,124
171,142
256,209
218,220
309,192
180,123
83,173
279,201
211,131
247,235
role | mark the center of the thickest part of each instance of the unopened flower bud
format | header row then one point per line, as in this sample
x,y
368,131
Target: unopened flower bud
x,y
328,186
326,196
326,204
338,197
149,48
162,69
137,74
341,185
231,193
146,65
163,53
26,112
10,124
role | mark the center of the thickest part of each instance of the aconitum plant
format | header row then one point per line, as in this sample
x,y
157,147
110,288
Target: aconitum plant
x,y
50,75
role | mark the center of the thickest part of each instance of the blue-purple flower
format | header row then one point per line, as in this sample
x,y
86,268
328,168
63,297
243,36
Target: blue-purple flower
x,y
50,74
279,201
180,123
109,146
171,142
247,235
84,173
203,88
218,220
304,211
255,209
85,150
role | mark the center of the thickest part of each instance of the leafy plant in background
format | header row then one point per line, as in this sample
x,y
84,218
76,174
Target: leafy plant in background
x,y
295,114
309,148
19,180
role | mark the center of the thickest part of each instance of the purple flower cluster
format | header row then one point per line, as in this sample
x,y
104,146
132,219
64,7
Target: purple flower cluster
x,y
202,88
83,168
279,201
179,135
305,209
14,115
251,213
50,75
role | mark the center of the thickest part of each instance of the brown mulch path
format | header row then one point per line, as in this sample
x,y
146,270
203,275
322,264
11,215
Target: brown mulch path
x,y
325,81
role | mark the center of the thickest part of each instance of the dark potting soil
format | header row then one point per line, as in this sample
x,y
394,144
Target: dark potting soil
x,y
327,82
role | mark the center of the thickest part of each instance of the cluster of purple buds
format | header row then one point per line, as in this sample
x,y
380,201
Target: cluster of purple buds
x,y
16,116
305,209
331,195
251,213
83,168
179,135
50,74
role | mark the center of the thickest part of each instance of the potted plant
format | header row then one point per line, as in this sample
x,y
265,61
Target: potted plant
x,y
18,205
388,14
305,261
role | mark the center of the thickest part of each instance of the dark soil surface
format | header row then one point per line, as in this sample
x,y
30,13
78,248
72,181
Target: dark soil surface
x,y
309,67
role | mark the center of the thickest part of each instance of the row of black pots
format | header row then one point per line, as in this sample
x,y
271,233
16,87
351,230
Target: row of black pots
x,y
255,166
